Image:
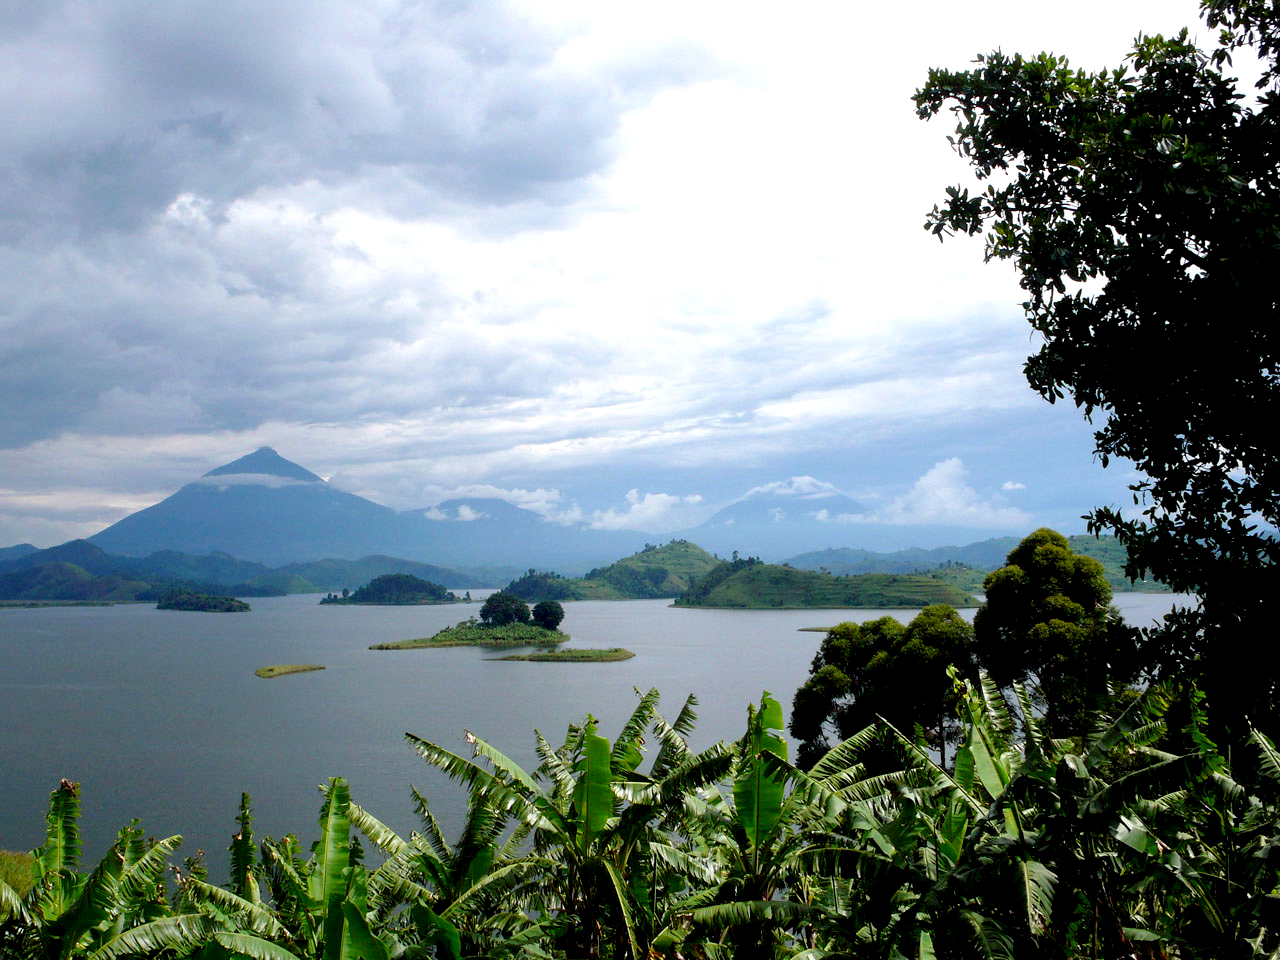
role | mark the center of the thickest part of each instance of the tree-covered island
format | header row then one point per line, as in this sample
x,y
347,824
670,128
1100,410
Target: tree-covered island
x,y
395,589
505,621
189,600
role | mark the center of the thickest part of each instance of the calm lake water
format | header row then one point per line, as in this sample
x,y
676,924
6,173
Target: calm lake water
x,y
158,714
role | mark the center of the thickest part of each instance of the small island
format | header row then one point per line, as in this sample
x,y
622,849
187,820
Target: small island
x,y
395,589
283,669
505,621
585,655
189,600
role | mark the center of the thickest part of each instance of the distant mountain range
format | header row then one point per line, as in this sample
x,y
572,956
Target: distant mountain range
x,y
270,510
79,570
256,521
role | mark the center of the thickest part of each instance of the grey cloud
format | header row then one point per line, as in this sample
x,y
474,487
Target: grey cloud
x,y
114,108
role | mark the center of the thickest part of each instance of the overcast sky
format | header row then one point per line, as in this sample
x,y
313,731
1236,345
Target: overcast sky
x,y
623,262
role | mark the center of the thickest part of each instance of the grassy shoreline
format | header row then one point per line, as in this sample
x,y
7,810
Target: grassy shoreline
x,y
283,669
584,655
469,634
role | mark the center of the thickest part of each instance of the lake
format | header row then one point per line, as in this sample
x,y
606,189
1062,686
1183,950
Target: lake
x,y
158,713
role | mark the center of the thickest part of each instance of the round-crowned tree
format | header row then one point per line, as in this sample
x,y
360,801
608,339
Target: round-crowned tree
x,y
883,669
502,608
1048,619
548,614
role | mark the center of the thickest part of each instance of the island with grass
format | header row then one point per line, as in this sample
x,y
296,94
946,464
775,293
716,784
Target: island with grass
x,y
189,600
473,633
747,583
397,590
284,669
584,655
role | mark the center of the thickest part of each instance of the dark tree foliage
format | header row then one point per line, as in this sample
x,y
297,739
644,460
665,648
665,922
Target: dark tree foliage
x,y
883,669
395,588
1139,206
699,587
533,585
502,608
1048,618
548,614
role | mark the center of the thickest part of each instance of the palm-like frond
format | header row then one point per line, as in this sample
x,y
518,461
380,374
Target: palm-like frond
x,y
254,947
631,736
254,916
178,934
379,834
1035,894
432,833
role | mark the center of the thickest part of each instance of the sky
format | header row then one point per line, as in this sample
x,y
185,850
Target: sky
x,y
619,263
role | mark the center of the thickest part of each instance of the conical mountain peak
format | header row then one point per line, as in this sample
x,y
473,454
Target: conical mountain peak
x,y
265,461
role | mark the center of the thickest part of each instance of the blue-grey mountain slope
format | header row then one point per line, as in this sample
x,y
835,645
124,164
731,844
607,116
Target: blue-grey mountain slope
x,y
267,509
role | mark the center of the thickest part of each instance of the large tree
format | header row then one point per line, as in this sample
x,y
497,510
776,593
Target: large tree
x,y
1139,206
864,671
502,608
1048,619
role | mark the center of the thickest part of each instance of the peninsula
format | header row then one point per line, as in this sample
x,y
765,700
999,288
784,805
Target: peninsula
x,y
747,583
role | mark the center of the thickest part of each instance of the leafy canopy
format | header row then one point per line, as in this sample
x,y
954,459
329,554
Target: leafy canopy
x,y
1139,206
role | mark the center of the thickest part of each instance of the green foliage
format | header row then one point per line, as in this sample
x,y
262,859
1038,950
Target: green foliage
x,y
17,870
395,589
548,614
1048,616
575,655
1104,845
881,669
752,584
472,634
1140,207
654,572
503,608
182,599
535,587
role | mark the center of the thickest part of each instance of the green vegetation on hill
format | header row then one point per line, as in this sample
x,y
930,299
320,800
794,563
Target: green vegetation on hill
x,y
188,600
68,581
654,572
395,589
967,565
471,633
749,583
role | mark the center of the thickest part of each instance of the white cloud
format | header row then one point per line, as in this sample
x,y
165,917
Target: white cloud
x,y
466,514
943,496
804,488
653,512
1013,485
224,480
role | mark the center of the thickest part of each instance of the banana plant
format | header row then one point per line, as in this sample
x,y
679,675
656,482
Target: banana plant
x,y
604,866
118,909
759,902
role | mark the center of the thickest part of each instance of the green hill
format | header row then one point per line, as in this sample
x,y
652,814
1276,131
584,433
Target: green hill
x,y
654,572
69,581
750,584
